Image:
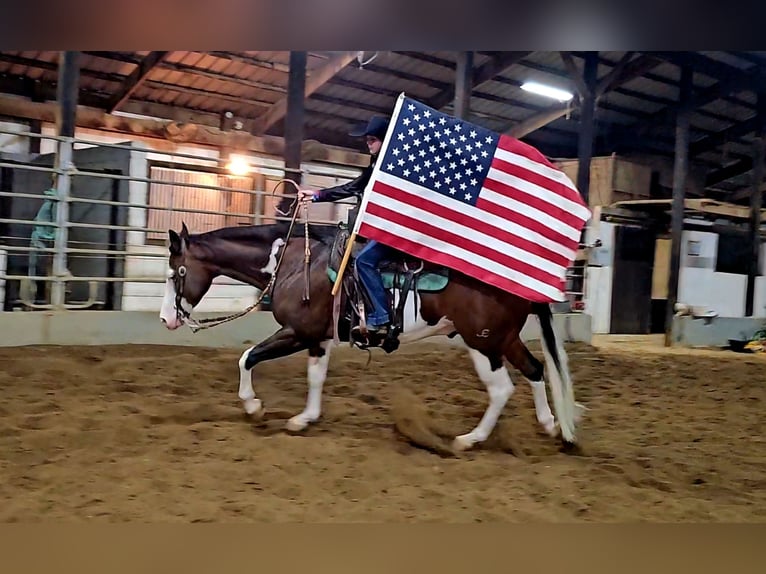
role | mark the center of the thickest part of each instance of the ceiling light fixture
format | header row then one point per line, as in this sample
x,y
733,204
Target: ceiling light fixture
x,y
547,91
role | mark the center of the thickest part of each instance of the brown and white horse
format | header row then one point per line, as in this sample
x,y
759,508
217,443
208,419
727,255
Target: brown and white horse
x,y
488,320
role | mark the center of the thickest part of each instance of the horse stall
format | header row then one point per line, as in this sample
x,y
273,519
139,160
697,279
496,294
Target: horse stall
x,y
110,417
630,270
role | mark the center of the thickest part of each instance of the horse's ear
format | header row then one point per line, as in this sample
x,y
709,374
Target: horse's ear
x,y
184,235
175,242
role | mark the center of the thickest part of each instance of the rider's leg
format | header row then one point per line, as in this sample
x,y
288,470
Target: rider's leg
x,y
367,268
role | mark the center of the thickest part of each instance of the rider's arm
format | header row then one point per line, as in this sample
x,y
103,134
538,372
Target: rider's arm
x,y
354,187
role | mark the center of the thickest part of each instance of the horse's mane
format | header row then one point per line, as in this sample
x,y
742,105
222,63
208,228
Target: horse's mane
x,y
267,233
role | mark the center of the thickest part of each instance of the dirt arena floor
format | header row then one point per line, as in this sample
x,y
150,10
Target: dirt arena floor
x,y
157,434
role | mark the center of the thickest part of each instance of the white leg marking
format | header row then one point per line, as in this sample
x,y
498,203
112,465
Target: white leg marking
x,y
499,388
542,408
317,373
271,266
252,405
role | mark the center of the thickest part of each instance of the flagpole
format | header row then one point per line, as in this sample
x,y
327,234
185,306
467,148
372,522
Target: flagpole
x,y
365,198
342,268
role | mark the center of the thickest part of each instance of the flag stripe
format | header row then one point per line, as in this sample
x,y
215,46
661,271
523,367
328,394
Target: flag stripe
x,y
435,251
509,257
424,205
509,208
529,194
518,147
472,250
516,218
538,185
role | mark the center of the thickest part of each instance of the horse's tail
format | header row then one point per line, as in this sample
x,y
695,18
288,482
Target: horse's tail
x,y
559,378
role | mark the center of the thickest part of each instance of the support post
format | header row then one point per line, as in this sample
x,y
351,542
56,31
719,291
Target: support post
x,y
680,171
759,149
296,87
587,117
463,84
67,91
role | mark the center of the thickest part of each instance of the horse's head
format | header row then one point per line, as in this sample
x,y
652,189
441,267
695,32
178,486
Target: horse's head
x,y
188,279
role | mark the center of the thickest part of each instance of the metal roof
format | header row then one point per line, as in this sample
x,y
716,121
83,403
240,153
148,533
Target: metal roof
x,y
635,115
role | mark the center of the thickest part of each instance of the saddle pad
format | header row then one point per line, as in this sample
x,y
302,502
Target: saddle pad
x,y
427,282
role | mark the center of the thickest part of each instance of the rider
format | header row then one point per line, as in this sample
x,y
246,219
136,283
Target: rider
x,y
372,253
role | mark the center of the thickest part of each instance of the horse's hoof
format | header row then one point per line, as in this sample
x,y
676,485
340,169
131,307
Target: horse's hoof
x,y
462,443
552,429
579,412
254,407
296,424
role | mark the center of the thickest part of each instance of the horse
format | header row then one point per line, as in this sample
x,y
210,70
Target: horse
x,y
488,320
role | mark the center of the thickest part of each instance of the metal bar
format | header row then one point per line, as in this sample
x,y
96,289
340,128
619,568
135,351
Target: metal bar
x,y
680,170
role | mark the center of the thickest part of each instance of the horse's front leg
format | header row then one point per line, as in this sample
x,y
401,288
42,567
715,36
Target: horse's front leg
x,y
282,343
319,359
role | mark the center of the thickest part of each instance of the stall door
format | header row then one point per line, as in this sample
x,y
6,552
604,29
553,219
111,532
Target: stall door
x,y
632,280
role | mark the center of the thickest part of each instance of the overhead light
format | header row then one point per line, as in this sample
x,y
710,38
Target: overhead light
x,y
547,91
238,166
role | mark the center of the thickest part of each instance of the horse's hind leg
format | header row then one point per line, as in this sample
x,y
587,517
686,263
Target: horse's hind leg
x,y
280,344
521,358
319,359
497,380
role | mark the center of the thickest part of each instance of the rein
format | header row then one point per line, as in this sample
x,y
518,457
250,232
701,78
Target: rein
x,y
196,326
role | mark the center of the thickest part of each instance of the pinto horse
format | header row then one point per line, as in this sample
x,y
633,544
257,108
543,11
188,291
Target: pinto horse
x,y
488,320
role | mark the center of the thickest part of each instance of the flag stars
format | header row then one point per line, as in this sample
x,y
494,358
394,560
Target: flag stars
x,y
444,154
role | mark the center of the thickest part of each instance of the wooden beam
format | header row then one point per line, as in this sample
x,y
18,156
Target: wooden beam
x,y
293,130
754,228
587,124
483,74
609,82
463,84
574,74
172,133
736,83
537,121
680,171
716,139
135,79
315,81
625,71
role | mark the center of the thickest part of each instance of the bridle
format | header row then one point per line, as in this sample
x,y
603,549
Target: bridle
x,y
179,279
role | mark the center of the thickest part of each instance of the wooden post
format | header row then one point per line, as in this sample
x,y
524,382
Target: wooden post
x,y
296,87
463,84
587,116
759,146
680,170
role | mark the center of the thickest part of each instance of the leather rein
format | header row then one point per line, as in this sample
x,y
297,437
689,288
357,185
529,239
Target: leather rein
x,y
179,277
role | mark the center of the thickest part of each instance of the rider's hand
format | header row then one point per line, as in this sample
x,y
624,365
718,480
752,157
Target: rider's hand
x,y
306,195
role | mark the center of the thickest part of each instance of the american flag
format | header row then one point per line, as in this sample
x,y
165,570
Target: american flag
x,y
462,196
